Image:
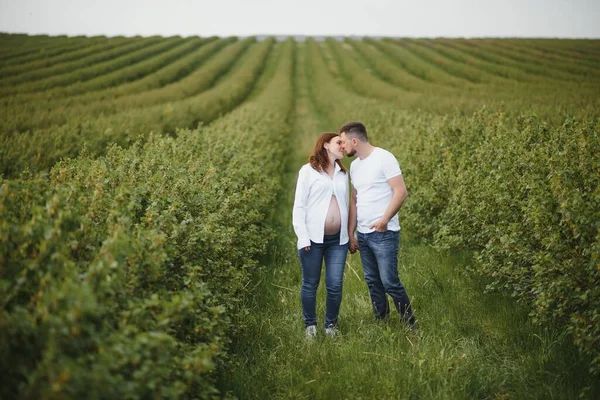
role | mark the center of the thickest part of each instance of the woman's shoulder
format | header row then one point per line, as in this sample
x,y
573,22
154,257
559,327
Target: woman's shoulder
x,y
308,168
305,168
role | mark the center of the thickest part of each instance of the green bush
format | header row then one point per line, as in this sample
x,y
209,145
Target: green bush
x,y
122,275
526,197
524,194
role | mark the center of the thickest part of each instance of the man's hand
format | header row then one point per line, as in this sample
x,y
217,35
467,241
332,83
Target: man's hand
x,y
380,225
307,248
353,246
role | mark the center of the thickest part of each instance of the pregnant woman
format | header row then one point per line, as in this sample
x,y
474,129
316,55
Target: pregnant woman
x,y
320,219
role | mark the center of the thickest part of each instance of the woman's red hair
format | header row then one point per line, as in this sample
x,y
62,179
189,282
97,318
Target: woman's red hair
x,y
319,159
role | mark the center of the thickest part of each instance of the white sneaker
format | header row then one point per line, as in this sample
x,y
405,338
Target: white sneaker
x,y
332,331
311,331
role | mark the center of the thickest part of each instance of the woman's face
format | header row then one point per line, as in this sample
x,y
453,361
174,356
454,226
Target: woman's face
x,y
335,147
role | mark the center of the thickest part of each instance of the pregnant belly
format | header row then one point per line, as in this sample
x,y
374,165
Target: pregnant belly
x,y
333,222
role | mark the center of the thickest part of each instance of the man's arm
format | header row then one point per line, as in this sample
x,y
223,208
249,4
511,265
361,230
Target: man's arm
x,y
352,222
400,194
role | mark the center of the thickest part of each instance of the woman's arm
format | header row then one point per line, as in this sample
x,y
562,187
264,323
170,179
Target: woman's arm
x,y
299,210
352,222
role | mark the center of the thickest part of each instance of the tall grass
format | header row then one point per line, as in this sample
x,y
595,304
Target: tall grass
x,y
471,344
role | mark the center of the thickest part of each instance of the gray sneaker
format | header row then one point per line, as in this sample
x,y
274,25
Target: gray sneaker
x,y
332,331
413,329
311,331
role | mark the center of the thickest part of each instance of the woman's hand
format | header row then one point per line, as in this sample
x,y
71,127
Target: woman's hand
x,y
353,245
307,248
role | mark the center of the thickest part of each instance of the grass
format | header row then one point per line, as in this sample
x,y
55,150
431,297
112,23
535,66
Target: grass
x,y
471,344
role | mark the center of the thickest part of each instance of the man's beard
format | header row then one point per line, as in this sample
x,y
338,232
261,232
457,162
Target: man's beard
x,y
351,153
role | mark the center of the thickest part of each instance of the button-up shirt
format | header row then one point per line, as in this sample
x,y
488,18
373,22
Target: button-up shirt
x,y
313,196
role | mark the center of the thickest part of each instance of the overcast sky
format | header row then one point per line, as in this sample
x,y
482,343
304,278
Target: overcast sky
x,y
415,18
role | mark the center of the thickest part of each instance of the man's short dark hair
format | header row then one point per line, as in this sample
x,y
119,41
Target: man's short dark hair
x,y
355,129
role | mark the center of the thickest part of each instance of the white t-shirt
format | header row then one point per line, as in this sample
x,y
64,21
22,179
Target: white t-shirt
x,y
373,192
311,203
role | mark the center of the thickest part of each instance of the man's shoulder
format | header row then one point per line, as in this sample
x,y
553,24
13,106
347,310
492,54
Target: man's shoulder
x,y
386,155
354,163
384,152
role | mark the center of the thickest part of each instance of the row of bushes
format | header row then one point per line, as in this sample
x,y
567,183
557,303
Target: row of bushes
x,y
42,148
498,69
575,50
523,194
487,64
123,274
416,65
458,69
531,64
42,110
553,100
479,50
576,69
89,67
38,65
17,51
393,72
370,85
129,69
54,52
526,197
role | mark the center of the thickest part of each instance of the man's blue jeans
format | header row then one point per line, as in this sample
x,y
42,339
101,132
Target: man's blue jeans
x,y
334,255
379,257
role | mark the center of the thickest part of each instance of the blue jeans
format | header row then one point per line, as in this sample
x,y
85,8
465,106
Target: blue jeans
x,y
311,261
379,257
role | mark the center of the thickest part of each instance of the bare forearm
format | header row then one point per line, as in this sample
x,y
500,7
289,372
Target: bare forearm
x,y
395,205
352,214
352,222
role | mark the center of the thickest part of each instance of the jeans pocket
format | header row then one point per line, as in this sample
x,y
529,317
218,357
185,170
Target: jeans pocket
x,y
361,238
302,254
389,235
378,237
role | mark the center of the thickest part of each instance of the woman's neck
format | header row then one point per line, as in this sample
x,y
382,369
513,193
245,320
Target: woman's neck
x,y
330,168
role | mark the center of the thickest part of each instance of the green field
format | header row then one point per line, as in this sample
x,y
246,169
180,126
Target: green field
x,y
146,244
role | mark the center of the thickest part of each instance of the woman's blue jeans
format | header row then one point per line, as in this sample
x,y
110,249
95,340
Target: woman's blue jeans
x,y
379,257
311,261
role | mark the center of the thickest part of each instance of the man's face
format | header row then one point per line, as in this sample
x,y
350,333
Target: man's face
x,y
348,145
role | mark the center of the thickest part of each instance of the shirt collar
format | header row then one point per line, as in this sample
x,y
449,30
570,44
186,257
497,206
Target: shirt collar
x,y
336,169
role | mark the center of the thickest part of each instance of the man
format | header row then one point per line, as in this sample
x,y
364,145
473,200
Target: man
x,y
378,191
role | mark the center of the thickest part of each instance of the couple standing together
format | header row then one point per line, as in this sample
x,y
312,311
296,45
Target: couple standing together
x,y
325,221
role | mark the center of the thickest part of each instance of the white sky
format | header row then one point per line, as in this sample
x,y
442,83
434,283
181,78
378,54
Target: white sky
x,y
415,18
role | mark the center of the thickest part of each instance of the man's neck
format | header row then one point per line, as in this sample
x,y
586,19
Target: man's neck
x,y
365,151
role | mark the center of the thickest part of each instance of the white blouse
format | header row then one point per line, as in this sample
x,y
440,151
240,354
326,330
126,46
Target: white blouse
x,y
313,196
